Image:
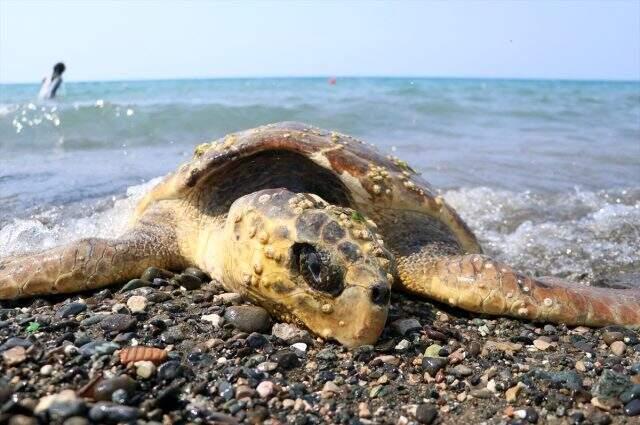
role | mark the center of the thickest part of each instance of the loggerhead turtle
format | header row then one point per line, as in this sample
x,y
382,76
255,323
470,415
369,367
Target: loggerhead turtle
x,y
293,218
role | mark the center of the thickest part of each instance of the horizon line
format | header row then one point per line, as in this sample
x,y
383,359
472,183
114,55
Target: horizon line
x,y
302,77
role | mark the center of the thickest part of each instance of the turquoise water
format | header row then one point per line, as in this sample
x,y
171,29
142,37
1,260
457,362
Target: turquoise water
x,y
547,172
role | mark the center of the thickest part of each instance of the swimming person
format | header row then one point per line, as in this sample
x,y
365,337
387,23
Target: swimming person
x,y
51,84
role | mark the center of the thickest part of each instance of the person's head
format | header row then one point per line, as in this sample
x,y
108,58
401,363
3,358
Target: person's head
x,y
58,68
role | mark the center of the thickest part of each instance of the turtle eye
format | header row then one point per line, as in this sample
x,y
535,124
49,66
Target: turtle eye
x,y
317,269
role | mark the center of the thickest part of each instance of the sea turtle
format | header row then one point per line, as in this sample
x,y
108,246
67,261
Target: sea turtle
x,y
316,227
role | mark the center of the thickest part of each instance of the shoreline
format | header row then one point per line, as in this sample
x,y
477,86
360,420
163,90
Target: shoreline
x,y
228,363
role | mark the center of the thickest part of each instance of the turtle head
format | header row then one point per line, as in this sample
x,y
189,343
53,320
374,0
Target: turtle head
x,y
310,262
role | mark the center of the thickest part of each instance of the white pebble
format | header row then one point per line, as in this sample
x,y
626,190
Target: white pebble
x,y
300,346
46,370
265,389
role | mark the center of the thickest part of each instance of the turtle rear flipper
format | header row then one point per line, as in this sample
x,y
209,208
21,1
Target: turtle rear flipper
x,y
480,284
88,263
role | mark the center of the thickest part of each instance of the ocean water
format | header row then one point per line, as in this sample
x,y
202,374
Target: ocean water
x,y
546,172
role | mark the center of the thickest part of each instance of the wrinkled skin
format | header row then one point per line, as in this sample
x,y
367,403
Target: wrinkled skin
x,y
294,217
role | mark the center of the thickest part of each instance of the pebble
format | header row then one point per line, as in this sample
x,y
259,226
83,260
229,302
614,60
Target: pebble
x,y
65,403
267,366
289,333
97,347
406,326
389,359
244,391
137,304
152,273
70,310
326,354
610,337
197,273
103,412
403,345
46,370
618,348
135,284
256,340
286,359
265,389
363,410
541,344
118,323
632,408
611,384
14,356
229,298
248,318
105,388
15,342
187,281
426,413
433,350
462,371
580,366
170,370
145,369
433,364
215,319
512,393
300,346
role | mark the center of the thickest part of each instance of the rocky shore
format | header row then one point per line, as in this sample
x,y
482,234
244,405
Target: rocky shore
x,y
212,358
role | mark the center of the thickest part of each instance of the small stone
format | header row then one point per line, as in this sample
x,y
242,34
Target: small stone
x,y
59,400
265,389
156,273
197,273
618,348
46,370
290,333
300,346
117,323
403,345
611,384
267,366
611,337
580,366
433,350
406,326
600,404
24,420
171,370
229,298
363,410
244,391
105,388
248,318
426,413
388,359
506,347
103,412
541,344
461,371
135,284
97,347
15,342
214,319
286,359
70,310
329,390
433,364
326,354
256,340
511,395
187,281
14,356
482,393
137,304
632,408
145,369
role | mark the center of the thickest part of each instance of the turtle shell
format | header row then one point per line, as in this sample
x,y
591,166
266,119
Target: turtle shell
x,y
339,168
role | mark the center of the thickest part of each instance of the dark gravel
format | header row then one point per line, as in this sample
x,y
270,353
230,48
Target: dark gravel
x,y
227,363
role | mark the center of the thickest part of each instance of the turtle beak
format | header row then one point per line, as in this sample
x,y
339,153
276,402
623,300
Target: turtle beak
x,y
353,318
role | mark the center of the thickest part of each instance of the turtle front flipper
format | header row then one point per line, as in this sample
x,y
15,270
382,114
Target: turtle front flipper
x,y
87,264
480,284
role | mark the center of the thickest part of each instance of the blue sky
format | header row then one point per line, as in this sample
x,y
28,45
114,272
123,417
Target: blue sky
x,y
102,40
